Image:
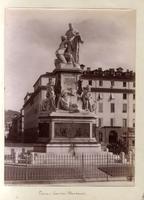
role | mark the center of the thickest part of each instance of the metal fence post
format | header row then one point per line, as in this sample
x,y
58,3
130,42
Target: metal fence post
x,y
107,167
133,162
83,175
122,156
13,155
26,170
132,165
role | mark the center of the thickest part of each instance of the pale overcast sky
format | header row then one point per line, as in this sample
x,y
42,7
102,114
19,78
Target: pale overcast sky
x,y
33,35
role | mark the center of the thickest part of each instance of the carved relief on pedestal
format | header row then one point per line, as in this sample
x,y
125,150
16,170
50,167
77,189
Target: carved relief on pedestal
x,y
72,130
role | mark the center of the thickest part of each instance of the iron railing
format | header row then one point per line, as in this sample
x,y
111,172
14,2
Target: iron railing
x,y
49,167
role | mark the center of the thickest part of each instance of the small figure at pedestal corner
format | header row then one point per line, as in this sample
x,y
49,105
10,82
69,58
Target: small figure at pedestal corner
x,y
48,104
87,102
57,89
79,87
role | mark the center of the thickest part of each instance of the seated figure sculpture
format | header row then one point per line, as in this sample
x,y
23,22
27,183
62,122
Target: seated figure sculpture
x,y
65,104
68,51
62,53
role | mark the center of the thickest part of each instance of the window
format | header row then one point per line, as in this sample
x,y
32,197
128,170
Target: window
x,y
124,108
133,123
112,83
112,122
111,97
124,134
124,96
124,84
100,122
134,108
90,82
134,84
134,96
100,107
100,83
112,107
100,136
35,110
99,96
124,123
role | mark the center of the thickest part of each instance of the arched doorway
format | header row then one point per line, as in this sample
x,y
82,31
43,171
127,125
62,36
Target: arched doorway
x,y
113,137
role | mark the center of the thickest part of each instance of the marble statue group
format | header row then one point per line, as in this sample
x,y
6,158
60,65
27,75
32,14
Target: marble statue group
x,y
68,51
64,103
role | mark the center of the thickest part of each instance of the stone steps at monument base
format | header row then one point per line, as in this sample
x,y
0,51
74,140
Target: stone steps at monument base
x,y
94,173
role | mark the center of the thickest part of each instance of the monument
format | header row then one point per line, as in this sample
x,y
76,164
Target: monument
x,y
68,108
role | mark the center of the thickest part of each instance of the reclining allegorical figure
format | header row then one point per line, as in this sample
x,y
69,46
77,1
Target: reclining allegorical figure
x,y
65,104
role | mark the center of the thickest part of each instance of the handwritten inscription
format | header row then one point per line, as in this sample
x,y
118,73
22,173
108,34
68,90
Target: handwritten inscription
x,y
61,193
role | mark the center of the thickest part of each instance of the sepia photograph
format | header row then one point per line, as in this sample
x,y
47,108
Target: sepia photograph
x,y
70,96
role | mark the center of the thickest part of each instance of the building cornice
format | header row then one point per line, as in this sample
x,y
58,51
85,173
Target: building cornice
x,y
30,100
46,75
110,74
107,78
112,90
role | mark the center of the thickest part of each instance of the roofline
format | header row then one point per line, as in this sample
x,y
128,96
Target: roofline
x,y
28,93
47,74
34,94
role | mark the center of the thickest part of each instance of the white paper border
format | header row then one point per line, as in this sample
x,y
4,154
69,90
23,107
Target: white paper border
x,y
98,193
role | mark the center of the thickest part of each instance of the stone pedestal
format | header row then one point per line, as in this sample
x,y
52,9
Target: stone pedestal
x,y
70,132
67,77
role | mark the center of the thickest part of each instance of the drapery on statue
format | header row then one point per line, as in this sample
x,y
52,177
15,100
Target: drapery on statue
x,y
68,51
63,53
87,102
74,39
65,104
48,104
79,87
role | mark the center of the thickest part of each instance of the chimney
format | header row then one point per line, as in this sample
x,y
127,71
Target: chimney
x,y
88,69
82,66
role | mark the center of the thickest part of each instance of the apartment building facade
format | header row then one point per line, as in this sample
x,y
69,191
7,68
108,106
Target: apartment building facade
x,y
114,94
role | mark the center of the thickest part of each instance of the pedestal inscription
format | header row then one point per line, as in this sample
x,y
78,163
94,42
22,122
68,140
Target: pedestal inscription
x,y
68,82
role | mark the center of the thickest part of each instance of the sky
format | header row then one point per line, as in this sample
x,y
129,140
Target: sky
x,y
33,35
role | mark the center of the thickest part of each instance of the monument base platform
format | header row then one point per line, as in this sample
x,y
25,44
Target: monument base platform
x,y
69,133
69,148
